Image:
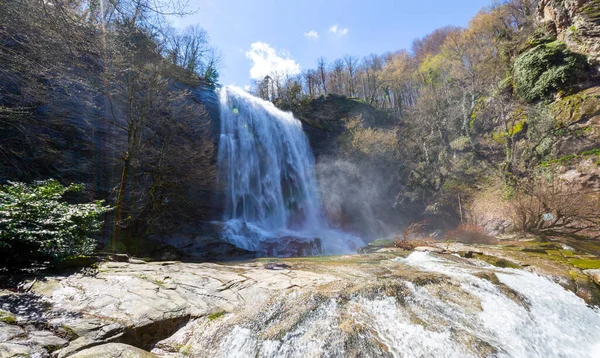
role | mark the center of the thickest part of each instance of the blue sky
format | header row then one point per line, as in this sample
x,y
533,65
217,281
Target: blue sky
x,y
255,36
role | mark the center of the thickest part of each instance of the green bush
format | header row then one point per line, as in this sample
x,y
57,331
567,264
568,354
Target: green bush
x,y
36,223
545,69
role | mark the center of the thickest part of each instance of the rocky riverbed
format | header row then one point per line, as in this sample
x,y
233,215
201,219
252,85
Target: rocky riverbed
x,y
519,299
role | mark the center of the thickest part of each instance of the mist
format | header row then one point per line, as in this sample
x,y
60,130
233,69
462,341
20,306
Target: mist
x,y
358,197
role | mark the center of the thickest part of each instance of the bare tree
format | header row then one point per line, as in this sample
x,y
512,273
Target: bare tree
x,y
351,63
322,73
336,77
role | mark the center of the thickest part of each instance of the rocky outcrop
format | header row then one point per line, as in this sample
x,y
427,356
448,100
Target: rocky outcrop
x,y
577,23
134,304
359,305
324,119
66,115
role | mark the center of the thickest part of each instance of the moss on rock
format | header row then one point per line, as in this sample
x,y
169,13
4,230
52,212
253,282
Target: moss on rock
x,y
575,108
585,263
7,317
546,69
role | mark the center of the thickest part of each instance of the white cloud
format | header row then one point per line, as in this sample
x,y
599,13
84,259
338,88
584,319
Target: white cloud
x,y
312,34
267,61
338,30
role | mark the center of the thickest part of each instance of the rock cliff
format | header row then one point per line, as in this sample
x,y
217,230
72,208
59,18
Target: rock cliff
x,y
577,23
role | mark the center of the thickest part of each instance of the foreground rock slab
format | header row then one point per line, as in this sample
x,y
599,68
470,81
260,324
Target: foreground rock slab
x,y
113,350
428,302
135,303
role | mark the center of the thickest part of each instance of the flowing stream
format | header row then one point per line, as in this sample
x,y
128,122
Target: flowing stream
x,y
465,309
266,161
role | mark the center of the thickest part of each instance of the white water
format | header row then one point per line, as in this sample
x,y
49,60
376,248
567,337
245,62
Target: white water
x,y
555,323
462,316
267,163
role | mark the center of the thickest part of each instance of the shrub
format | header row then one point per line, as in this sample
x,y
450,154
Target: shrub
x,y
470,234
545,69
368,142
414,231
37,224
413,236
553,205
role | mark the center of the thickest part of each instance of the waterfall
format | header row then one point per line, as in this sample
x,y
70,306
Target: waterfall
x,y
268,167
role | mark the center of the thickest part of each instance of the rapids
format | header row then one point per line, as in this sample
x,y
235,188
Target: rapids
x,y
463,309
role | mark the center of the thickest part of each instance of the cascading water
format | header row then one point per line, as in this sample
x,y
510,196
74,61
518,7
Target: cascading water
x,y
450,308
265,159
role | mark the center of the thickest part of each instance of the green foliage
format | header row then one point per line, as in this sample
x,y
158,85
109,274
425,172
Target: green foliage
x,y
517,128
545,69
7,317
37,223
567,158
216,315
432,68
369,142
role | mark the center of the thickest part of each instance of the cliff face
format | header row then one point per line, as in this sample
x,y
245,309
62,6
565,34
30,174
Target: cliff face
x,y
577,23
68,129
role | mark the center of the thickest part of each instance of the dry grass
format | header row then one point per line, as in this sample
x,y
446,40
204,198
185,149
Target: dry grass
x,y
413,236
470,234
410,245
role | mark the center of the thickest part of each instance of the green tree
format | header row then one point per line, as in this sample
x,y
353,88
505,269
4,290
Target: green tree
x,y
36,223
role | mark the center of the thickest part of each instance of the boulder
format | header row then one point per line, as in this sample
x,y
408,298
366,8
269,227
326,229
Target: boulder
x,y
46,339
203,241
292,246
594,275
9,331
435,250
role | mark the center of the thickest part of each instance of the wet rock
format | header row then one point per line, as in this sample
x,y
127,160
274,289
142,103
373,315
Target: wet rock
x,y
9,350
118,257
276,266
436,250
46,339
205,308
9,331
594,275
113,350
203,241
293,246
166,253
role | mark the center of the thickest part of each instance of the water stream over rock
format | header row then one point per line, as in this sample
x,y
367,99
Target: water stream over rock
x,y
386,304
467,309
